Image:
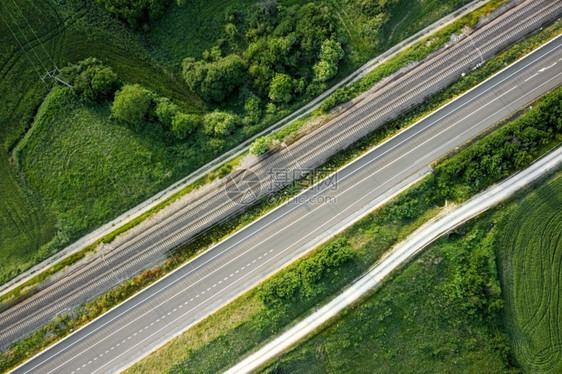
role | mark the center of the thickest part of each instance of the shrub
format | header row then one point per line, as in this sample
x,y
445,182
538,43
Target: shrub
x,y
331,53
132,105
214,80
136,12
166,111
260,146
252,110
281,88
93,82
185,124
220,123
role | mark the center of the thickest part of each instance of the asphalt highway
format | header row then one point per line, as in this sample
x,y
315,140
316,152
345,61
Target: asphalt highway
x,y
153,316
148,248
399,255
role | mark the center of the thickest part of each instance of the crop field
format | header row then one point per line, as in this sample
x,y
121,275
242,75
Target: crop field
x,y
531,263
56,185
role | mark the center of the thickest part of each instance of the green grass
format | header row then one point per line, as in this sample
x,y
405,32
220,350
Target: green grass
x,y
69,31
530,252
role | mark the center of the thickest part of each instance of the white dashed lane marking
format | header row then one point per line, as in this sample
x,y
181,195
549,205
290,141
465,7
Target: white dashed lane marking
x,y
179,307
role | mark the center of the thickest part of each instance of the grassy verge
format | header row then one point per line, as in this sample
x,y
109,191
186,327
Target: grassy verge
x,y
223,230
450,310
221,339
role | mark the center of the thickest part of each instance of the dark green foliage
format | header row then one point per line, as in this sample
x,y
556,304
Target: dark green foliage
x,y
132,105
302,280
185,124
220,123
216,79
281,88
252,110
93,82
166,110
315,24
510,148
136,12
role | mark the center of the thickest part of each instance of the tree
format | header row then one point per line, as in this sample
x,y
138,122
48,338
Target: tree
x,y
93,82
331,50
252,110
136,12
214,80
220,123
330,54
185,124
104,83
324,71
132,104
281,88
165,111
260,146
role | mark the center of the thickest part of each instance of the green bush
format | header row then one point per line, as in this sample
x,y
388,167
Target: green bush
x,y
260,146
281,88
185,124
303,280
331,53
216,79
136,12
132,105
220,123
166,110
93,82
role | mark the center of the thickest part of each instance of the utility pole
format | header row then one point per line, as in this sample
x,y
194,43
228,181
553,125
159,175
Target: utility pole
x,y
53,75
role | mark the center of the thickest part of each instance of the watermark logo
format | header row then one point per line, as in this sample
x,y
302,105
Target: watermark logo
x,y
243,188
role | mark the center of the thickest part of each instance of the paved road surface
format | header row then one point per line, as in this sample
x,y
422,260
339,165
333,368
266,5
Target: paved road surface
x,y
150,246
129,331
405,250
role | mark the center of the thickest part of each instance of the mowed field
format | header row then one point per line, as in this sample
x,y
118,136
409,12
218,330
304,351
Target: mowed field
x,y
64,173
531,264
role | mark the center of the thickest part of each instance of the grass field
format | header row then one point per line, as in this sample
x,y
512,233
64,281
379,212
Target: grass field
x,y
530,250
36,35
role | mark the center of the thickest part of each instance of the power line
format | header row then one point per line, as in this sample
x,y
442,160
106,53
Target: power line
x,y
21,47
50,74
25,38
